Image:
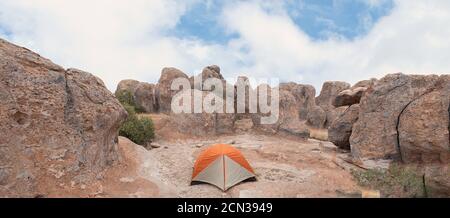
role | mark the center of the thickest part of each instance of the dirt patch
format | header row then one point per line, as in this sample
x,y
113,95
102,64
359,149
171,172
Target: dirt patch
x,y
298,168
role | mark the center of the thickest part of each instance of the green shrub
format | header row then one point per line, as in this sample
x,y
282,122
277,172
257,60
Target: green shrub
x,y
139,130
125,97
397,181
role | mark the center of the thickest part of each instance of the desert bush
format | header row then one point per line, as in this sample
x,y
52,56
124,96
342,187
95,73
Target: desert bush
x,y
397,181
125,97
140,130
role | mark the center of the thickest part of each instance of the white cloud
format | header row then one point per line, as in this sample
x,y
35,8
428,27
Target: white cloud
x,y
412,39
128,40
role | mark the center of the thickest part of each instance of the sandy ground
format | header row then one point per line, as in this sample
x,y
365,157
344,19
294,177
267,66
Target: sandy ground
x,y
285,167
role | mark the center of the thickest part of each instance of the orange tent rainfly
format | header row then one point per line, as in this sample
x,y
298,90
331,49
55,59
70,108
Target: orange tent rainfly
x,y
223,166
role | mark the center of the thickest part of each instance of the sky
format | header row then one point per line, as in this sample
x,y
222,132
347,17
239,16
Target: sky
x,y
304,41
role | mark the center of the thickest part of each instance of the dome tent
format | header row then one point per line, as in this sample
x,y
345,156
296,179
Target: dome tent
x,y
223,166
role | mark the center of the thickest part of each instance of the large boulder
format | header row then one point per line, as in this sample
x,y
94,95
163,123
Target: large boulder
x,y
213,71
265,90
144,94
365,83
353,95
295,128
295,101
304,97
145,98
203,122
58,127
341,129
127,85
316,117
163,92
349,97
329,91
396,108
423,127
437,180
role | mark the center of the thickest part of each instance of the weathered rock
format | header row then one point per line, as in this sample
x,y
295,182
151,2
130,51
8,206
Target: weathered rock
x,y
145,97
437,180
424,127
128,85
56,125
213,71
264,89
144,94
316,117
295,128
295,101
163,91
376,133
203,122
288,110
224,123
243,125
304,97
327,95
349,97
365,83
333,114
341,129
242,102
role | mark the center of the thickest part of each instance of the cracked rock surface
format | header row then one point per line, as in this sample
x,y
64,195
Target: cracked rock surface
x,y
58,127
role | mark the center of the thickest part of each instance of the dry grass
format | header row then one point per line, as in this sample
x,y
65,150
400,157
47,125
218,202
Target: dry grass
x,y
397,181
319,134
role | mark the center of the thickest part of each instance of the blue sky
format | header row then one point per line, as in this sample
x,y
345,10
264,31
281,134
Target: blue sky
x,y
305,41
320,19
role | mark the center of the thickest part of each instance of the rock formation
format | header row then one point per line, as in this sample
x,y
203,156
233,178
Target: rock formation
x,y
327,95
316,117
128,84
341,129
437,180
423,126
163,91
58,127
213,71
404,117
145,97
203,123
144,94
349,97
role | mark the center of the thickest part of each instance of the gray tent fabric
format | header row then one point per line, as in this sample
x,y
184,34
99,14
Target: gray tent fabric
x,y
235,173
213,174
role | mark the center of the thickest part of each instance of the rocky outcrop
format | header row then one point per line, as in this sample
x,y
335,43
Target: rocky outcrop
x,y
403,117
58,127
341,129
128,85
365,83
145,97
304,97
295,128
261,90
327,95
423,126
437,181
144,94
316,117
349,97
163,91
353,95
200,123
213,71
